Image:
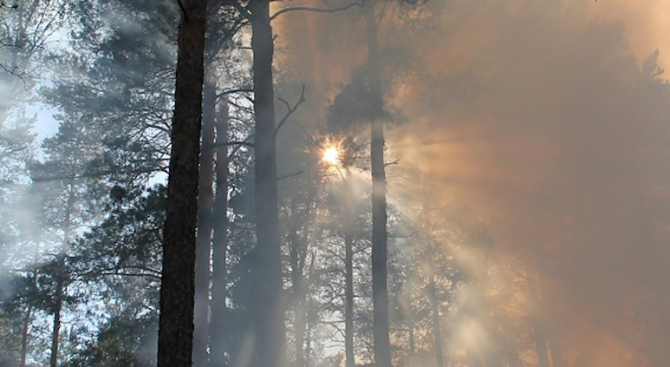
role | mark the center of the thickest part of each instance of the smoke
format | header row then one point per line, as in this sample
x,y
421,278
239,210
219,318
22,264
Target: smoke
x,y
561,147
548,122
646,24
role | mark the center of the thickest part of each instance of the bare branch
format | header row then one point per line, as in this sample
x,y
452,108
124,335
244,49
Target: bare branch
x,y
289,175
183,9
243,10
237,148
315,10
14,73
234,143
392,163
90,175
291,110
134,271
233,91
118,273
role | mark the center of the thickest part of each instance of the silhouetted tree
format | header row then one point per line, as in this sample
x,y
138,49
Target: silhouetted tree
x,y
270,335
175,331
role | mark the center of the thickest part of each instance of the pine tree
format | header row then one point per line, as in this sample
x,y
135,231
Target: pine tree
x,y
175,332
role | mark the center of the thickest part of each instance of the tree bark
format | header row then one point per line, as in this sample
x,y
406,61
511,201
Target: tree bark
x,y
382,345
175,334
204,234
270,336
217,337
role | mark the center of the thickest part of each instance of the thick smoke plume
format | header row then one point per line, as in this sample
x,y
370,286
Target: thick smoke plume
x,y
548,124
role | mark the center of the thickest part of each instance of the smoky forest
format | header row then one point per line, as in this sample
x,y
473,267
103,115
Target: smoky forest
x,y
334,183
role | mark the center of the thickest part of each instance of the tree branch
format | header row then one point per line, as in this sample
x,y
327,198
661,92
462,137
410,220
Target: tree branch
x,y
233,91
315,10
183,9
118,273
289,175
291,110
243,10
14,73
236,143
392,163
140,271
91,175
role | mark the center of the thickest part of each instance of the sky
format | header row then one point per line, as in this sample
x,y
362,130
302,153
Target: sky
x,y
548,124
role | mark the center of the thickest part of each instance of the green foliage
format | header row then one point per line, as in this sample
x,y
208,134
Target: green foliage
x,y
12,316
129,238
121,342
16,139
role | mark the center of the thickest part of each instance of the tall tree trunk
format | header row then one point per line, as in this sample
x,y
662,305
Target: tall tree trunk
x,y
300,329
58,307
297,281
349,298
308,343
58,303
270,335
536,319
382,345
539,332
217,336
541,345
175,330
412,337
204,234
349,224
437,327
60,275
24,335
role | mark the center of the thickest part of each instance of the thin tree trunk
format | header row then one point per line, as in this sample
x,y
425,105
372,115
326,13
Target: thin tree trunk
x,y
382,345
204,234
539,332
24,335
217,336
175,333
412,338
297,281
549,341
541,345
298,259
60,275
349,223
437,327
270,335
300,329
58,307
349,297
308,344
298,248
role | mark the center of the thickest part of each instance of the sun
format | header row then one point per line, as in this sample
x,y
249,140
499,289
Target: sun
x,y
331,155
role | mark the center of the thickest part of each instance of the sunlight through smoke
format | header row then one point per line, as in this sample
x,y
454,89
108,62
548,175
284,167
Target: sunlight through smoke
x,y
331,155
